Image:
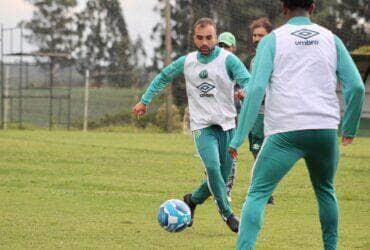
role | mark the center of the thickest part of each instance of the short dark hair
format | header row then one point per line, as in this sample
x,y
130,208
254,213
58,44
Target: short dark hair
x,y
295,4
263,22
203,22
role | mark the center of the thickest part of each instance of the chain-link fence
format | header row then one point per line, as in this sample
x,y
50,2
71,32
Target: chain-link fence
x,y
47,89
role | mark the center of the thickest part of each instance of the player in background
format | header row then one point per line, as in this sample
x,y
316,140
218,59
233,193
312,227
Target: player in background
x,y
298,66
259,28
227,41
209,75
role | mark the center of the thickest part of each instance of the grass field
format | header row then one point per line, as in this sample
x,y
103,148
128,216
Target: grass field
x,y
98,190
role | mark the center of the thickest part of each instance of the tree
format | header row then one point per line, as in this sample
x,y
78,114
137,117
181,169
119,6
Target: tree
x,y
352,15
120,68
104,45
51,27
92,51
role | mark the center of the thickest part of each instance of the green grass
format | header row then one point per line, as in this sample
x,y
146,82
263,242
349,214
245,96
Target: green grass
x,y
96,190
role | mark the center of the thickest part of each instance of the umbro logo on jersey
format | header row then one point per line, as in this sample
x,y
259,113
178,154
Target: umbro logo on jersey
x,y
205,88
305,33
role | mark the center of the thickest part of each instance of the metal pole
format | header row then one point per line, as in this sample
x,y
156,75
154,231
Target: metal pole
x,y
169,100
51,94
2,75
6,96
59,110
20,100
87,83
27,79
190,30
11,109
11,40
69,87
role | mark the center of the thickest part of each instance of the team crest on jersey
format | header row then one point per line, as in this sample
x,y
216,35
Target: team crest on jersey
x,y
205,88
203,74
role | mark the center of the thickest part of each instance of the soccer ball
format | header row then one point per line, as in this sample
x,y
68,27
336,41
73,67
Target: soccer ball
x,y
174,216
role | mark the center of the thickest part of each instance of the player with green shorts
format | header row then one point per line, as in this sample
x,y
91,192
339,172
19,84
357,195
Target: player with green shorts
x,y
210,74
297,67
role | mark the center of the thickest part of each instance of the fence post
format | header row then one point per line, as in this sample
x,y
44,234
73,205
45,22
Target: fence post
x,y
2,73
169,99
6,98
87,83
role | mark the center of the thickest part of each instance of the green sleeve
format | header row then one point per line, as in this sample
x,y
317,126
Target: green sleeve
x,y
262,70
353,89
167,75
237,70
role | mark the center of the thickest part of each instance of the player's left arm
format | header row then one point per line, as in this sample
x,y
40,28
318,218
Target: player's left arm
x,y
262,70
353,91
237,71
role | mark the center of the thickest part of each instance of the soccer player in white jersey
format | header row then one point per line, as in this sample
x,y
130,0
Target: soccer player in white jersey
x,y
210,74
298,66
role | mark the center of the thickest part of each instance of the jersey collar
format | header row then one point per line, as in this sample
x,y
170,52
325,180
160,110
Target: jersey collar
x,y
207,59
300,20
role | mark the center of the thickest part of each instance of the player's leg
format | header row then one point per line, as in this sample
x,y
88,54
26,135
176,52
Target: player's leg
x,y
231,180
322,165
256,137
275,159
207,144
227,163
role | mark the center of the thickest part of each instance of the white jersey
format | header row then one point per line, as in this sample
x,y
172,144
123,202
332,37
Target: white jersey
x,y
301,94
210,92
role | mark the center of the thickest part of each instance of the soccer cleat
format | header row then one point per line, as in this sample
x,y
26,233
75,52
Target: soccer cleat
x,y
233,223
192,207
271,200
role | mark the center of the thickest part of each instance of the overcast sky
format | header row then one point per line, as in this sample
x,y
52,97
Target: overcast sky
x,y
139,16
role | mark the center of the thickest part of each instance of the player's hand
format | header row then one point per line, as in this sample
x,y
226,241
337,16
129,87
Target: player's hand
x,y
346,140
139,109
233,153
239,94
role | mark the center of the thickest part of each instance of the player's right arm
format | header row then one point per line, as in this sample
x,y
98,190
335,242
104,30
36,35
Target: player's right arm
x,y
167,75
353,92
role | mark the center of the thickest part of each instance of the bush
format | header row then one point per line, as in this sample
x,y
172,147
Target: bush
x,y
160,118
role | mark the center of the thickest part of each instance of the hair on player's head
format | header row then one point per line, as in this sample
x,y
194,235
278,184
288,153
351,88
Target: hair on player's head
x,y
263,22
203,22
298,4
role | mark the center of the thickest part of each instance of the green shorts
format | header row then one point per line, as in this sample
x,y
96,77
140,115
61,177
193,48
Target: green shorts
x,y
256,135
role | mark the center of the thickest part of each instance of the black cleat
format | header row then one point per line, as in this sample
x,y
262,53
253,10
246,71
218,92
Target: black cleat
x,y
271,200
191,205
233,223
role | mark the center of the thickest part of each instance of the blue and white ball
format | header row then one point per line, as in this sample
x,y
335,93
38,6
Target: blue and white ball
x,y
174,216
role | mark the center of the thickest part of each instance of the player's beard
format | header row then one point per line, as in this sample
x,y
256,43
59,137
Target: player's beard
x,y
255,45
205,51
